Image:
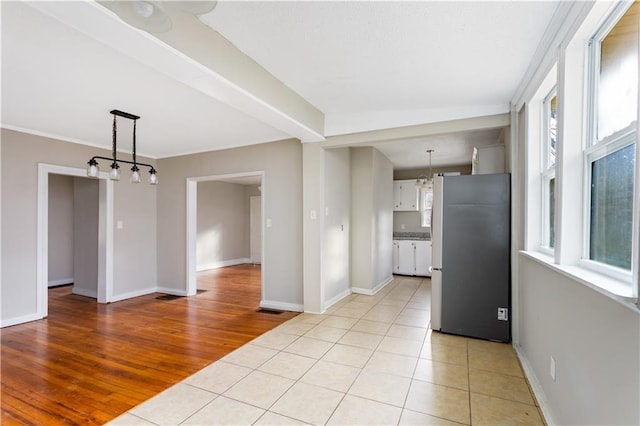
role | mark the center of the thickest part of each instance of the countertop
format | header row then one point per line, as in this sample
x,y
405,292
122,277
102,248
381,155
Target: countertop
x,y
413,236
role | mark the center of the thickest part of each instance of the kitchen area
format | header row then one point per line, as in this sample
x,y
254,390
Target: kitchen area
x,y
451,224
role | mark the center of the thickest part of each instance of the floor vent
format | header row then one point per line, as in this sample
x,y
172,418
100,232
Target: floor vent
x,y
201,291
168,297
268,311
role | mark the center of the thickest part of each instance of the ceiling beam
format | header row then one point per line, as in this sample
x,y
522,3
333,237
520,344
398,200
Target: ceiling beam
x,y
200,58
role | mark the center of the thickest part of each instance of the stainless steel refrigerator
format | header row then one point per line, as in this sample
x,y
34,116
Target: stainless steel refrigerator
x,y
471,278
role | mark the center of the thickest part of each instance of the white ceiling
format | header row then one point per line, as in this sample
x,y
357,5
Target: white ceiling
x,y
364,65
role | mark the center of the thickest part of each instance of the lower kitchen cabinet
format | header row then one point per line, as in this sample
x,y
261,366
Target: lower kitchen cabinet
x,y
411,257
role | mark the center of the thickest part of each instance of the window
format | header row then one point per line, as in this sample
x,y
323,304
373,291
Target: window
x,y
426,197
610,156
549,139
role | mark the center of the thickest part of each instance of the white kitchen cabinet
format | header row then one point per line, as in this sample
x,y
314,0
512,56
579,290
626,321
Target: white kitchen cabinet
x,y
423,258
488,159
411,257
405,195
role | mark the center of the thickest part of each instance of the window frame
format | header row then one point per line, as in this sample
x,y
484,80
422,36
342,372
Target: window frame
x,y
597,149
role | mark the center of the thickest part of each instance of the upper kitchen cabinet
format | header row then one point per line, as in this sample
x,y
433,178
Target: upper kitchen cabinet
x,y
487,160
405,196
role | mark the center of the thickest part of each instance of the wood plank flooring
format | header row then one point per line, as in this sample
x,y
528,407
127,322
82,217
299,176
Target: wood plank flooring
x,y
88,363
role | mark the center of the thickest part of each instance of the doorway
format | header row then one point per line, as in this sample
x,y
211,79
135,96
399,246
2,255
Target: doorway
x,y
73,234
211,241
104,287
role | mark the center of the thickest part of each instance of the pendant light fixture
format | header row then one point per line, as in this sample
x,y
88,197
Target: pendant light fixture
x,y
424,181
93,170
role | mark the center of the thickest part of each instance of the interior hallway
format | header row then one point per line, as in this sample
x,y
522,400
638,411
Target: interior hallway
x,y
88,363
368,360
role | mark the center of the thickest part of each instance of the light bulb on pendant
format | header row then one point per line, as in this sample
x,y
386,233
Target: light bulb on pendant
x,y
135,174
114,174
153,177
93,170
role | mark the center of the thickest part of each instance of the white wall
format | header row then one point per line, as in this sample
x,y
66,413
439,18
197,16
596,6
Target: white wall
x,y
223,225
336,229
134,245
60,230
361,218
86,200
371,220
594,340
282,192
382,219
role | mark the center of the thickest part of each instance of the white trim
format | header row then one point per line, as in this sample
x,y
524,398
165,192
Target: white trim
x,y
20,320
105,249
373,291
335,299
613,289
536,387
222,264
281,306
137,293
85,292
192,231
62,281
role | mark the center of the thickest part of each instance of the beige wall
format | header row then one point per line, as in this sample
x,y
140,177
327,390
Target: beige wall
x,y
222,224
135,205
414,173
60,230
371,219
336,232
282,192
594,340
85,236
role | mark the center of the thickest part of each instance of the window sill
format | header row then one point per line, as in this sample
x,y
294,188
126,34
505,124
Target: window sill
x,y
619,291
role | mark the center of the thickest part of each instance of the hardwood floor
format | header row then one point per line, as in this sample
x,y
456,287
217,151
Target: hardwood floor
x,y
88,363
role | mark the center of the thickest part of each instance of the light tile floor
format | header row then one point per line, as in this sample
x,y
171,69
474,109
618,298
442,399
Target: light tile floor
x,y
367,360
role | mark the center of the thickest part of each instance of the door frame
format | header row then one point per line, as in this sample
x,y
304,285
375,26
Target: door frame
x,y
192,227
105,234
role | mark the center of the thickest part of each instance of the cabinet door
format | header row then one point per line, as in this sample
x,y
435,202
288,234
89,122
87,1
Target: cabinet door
x,y
406,264
397,195
405,195
396,253
423,258
410,196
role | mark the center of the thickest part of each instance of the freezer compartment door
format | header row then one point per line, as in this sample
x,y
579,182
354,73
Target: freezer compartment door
x,y
436,299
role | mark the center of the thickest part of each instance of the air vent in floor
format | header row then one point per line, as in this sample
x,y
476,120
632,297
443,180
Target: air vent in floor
x,y
268,311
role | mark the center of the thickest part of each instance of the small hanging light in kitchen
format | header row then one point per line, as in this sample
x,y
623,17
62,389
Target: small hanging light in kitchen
x,y
423,181
93,170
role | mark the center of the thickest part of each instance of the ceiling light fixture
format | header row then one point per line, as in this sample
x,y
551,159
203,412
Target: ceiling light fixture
x,y
154,16
93,170
424,181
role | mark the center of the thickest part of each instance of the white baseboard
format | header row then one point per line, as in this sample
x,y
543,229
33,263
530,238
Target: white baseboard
x,y
222,264
371,292
85,292
281,306
63,281
535,386
171,291
132,294
20,320
329,303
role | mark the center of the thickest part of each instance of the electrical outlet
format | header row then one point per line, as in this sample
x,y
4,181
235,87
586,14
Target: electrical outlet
x,y
503,314
552,368
402,226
